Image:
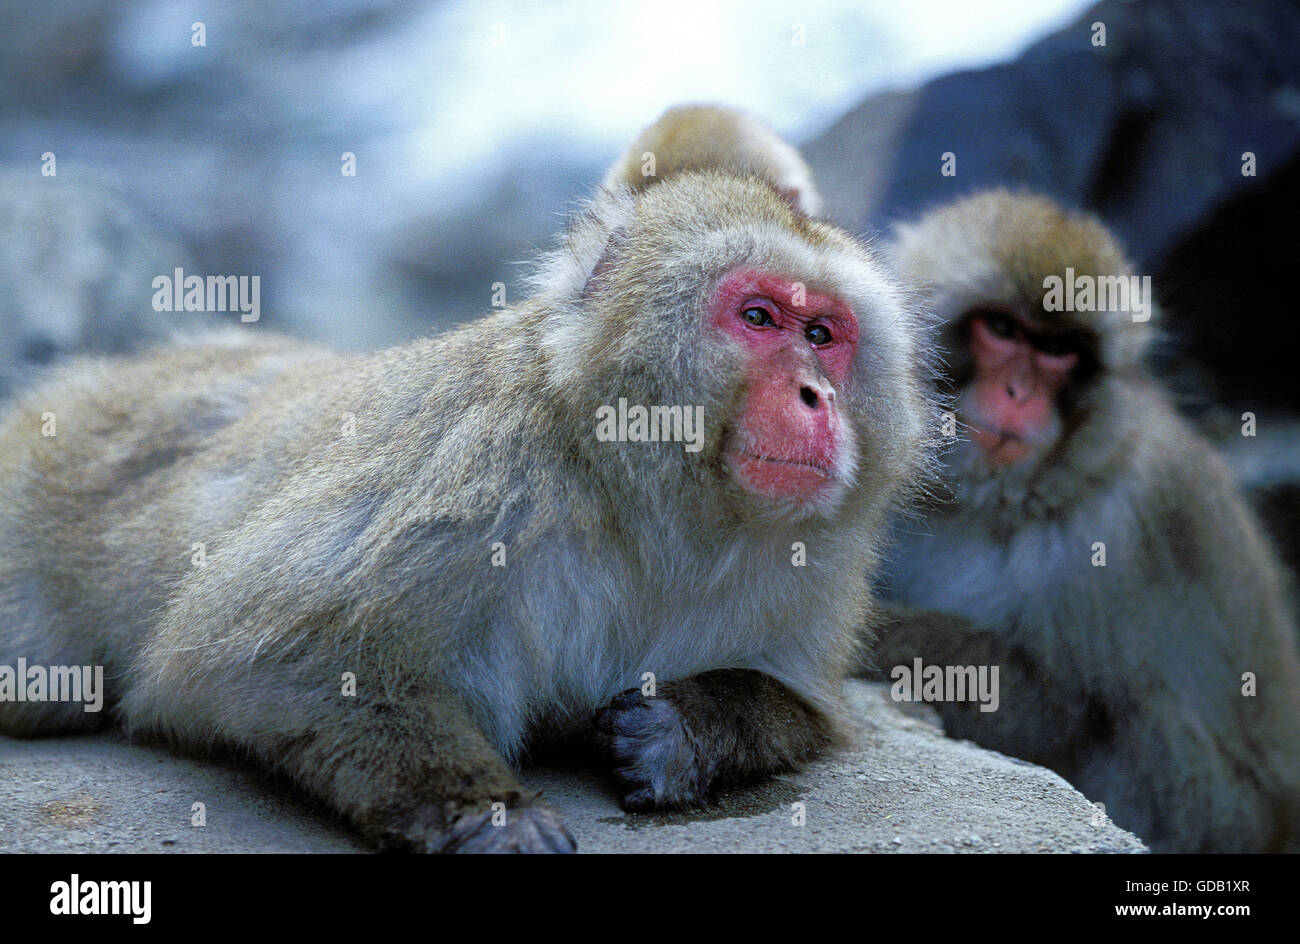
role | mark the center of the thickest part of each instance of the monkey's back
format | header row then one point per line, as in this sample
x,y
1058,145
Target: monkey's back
x,y
87,553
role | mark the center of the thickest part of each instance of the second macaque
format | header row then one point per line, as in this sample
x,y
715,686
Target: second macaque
x,y
1092,544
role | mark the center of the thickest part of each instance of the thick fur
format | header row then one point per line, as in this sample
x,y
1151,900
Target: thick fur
x,y
1127,678
371,553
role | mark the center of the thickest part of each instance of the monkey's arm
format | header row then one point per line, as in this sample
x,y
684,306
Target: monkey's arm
x,y
402,759
416,774
709,730
1039,715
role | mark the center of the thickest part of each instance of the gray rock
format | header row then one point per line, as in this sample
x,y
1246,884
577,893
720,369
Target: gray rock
x,y
77,263
1148,130
900,786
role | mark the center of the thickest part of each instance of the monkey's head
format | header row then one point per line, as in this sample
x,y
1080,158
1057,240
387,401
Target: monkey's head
x,y
702,137
1039,308
711,292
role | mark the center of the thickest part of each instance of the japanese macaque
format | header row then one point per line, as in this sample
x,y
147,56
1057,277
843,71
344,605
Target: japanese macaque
x,y
641,508
1092,545
696,137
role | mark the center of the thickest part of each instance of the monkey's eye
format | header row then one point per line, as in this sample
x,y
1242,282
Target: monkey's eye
x,y
818,335
1055,345
758,317
999,324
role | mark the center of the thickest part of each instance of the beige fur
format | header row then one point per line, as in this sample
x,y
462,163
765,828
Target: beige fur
x,y
371,553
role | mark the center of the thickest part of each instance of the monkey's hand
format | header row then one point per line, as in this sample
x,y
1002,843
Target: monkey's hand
x,y
709,730
655,762
1040,713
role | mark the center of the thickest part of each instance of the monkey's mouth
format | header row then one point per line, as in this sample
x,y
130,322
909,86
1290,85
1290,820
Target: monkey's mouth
x,y
1002,447
780,476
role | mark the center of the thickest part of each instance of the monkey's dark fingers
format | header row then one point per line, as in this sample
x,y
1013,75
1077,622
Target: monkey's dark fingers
x,y
529,829
619,717
653,762
635,794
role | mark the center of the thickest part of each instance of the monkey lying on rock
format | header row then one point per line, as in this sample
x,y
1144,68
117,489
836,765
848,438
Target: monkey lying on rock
x,y
232,527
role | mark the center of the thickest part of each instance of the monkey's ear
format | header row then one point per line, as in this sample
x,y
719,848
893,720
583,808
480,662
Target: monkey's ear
x,y
591,246
799,191
598,279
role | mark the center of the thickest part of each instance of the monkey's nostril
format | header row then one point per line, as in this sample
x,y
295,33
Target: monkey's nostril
x,y
809,397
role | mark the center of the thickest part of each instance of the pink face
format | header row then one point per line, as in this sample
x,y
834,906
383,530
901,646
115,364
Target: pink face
x,y
1014,390
790,438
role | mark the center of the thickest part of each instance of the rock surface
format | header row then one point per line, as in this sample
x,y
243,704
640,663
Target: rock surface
x,y
899,787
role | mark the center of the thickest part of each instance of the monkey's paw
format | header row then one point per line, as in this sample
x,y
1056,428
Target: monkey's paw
x,y
654,762
526,829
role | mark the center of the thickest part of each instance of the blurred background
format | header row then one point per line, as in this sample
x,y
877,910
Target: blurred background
x,y
477,125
